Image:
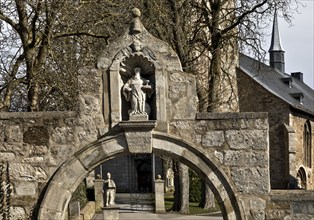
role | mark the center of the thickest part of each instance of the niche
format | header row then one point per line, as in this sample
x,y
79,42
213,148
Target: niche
x,y
127,67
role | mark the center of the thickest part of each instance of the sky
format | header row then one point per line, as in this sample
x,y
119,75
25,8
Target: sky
x,y
297,41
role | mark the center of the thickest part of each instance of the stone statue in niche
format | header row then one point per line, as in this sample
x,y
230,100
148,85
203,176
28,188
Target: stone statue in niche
x,y
136,90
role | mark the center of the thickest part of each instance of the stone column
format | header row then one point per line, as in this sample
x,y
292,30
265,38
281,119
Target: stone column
x,y
159,195
99,198
74,210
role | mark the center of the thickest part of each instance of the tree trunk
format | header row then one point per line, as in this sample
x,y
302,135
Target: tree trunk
x,y
181,184
33,97
214,75
207,197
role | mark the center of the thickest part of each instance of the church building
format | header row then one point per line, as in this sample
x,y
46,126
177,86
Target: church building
x,y
290,106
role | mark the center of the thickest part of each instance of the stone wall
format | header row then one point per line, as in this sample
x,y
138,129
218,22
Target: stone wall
x,y
54,151
290,204
298,121
35,145
254,98
239,142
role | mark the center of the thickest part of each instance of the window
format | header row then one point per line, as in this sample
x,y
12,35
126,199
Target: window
x,y
307,145
301,178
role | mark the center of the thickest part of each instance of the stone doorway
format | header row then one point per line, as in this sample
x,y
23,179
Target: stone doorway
x,y
144,173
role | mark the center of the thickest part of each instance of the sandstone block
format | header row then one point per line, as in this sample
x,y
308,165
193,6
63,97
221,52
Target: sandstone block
x,y
257,204
62,135
17,213
25,188
68,174
7,156
92,156
110,213
244,139
245,159
57,198
27,171
47,214
33,160
14,133
213,139
251,180
305,207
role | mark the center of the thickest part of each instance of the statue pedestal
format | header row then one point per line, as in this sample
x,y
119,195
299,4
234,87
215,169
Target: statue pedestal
x,y
138,135
138,117
99,196
159,196
110,213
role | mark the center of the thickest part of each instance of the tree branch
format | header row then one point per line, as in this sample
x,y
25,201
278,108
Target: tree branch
x,y
81,34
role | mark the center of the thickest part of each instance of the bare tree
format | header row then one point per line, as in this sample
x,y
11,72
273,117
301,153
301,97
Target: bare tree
x,y
43,43
207,35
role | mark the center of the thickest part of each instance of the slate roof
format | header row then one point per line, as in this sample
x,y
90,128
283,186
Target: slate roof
x,y
278,84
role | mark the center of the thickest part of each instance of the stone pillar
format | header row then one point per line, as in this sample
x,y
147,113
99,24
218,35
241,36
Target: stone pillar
x,y
74,210
110,213
290,142
159,195
99,198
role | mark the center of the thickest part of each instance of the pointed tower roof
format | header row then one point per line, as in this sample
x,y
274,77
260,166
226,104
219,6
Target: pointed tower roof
x,y
275,39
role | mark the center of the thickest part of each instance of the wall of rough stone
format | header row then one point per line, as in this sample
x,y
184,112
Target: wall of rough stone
x,y
239,141
35,144
281,117
254,98
298,121
290,204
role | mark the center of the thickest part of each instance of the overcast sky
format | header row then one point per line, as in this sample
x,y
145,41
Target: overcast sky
x,y
297,41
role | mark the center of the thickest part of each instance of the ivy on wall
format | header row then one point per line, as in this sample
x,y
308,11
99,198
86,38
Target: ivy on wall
x,y
5,191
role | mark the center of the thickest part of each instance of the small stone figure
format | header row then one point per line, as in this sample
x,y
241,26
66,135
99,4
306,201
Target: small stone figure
x,y
110,188
135,90
299,183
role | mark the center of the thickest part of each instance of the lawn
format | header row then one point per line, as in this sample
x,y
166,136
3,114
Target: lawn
x,y
194,209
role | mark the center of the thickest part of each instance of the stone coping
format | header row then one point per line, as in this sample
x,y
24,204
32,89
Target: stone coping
x,y
230,115
110,208
57,114
292,195
138,124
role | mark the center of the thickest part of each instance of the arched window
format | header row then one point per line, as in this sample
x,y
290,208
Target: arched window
x,y
301,178
307,145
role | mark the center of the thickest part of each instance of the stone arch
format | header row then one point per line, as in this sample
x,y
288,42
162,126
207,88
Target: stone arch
x,y
70,174
302,177
307,144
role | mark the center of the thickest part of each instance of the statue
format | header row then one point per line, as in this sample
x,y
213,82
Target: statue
x,y
135,90
110,188
299,183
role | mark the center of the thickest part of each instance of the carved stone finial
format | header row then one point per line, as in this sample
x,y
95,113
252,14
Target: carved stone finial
x,y
136,12
136,26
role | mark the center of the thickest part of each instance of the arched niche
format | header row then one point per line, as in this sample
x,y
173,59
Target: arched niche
x,y
127,66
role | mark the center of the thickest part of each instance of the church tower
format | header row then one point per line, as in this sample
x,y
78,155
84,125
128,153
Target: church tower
x,y
276,53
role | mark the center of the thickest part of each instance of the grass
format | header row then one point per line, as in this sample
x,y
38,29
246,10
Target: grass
x,y
194,209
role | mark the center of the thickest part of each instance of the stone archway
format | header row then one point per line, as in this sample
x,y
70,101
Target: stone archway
x,y
72,172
